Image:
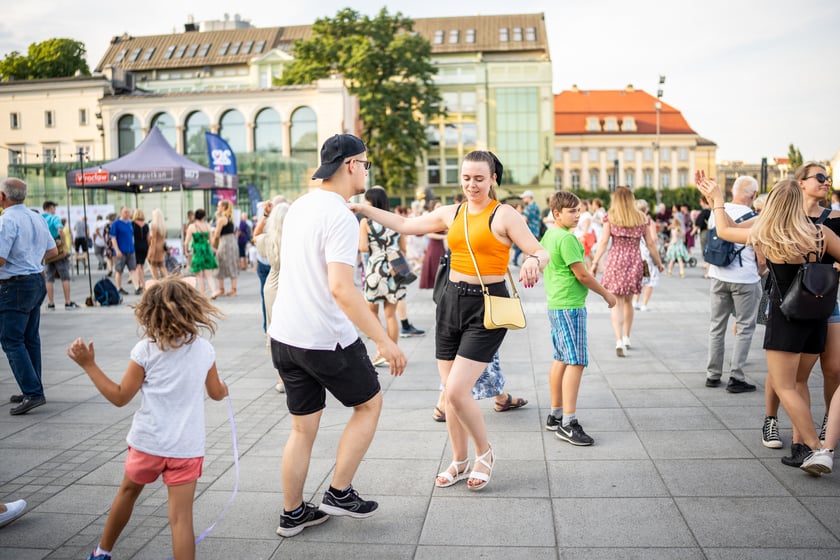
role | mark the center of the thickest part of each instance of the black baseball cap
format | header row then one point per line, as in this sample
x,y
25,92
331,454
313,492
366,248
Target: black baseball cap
x,y
334,151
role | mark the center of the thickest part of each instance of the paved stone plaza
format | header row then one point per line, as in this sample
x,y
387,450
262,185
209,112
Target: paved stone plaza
x,y
677,472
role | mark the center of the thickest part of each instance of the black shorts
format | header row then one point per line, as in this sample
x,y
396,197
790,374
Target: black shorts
x,y
459,329
308,374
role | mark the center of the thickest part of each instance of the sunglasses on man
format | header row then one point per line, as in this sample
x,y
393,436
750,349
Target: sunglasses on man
x,y
820,177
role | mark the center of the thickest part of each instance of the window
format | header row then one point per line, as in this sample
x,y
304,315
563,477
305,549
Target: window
x,y
558,181
611,124
433,135
611,155
682,178
518,134
50,155
593,179
575,178
647,155
195,126
629,177
574,154
438,37
611,181
592,154
129,135
629,155
223,49
470,38
468,101
304,136
530,33
647,178
15,156
268,131
469,135
665,179
49,119
14,120
149,52
504,36
628,124
180,52
665,154
205,48
517,34
232,129
121,56
234,48
433,171
682,155
191,52
259,48
169,50
83,117
246,48
593,124
451,102
453,35
452,171
166,124
134,54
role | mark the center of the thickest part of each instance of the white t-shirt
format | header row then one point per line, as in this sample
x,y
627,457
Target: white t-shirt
x,y
319,229
98,238
170,422
735,272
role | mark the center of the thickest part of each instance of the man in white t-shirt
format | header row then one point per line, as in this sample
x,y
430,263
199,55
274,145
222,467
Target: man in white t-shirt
x,y
314,344
735,290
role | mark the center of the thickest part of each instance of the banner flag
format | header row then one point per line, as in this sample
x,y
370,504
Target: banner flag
x,y
222,158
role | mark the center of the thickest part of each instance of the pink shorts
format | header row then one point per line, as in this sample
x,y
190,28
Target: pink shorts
x,y
142,468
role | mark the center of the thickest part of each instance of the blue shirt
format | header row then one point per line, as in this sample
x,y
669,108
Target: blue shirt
x,y
123,232
24,239
532,213
54,223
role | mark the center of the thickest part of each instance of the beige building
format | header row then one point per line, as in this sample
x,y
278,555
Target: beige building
x,y
605,138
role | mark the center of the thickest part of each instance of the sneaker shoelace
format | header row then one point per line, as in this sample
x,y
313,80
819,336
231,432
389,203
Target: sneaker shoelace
x,y
771,430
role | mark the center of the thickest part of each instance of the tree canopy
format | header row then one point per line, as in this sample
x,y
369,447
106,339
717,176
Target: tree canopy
x,y
388,67
53,58
794,157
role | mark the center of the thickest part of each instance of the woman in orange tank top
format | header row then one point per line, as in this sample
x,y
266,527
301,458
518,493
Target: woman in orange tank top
x,y
463,347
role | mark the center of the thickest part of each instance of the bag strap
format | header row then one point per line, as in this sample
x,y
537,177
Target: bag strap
x,y
475,264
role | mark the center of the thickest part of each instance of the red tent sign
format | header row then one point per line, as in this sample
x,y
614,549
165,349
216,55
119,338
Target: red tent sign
x,y
92,177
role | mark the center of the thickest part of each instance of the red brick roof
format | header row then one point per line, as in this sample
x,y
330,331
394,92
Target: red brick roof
x,y
572,107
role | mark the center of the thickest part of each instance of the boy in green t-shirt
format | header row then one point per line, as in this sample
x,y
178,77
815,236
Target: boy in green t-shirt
x,y
567,282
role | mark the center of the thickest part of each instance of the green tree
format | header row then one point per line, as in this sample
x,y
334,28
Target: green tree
x,y
794,157
53,58
388,67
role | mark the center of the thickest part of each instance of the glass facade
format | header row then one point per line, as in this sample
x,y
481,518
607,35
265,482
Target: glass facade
x,y
518,134
232,129
194,128
129,134
166,124
304,136
268,131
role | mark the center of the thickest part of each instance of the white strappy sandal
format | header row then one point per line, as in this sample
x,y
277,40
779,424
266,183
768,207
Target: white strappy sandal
x,y
483,477
460,474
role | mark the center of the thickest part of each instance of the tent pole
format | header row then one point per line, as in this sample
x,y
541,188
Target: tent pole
x,y
89,300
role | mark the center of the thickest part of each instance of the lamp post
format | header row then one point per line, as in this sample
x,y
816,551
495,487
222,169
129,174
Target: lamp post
x,y
656,153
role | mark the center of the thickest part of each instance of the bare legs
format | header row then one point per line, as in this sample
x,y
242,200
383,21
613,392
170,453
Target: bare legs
x,y
783,368
622,317
564,384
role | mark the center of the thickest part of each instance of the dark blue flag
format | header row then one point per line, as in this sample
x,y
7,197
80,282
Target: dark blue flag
x,y
222,158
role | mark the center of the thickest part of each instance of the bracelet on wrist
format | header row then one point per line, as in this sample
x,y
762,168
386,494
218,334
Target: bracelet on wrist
x,y
719,207
534,257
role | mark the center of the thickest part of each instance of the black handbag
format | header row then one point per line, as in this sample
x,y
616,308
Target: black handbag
x,y
400,270
813,292
441,277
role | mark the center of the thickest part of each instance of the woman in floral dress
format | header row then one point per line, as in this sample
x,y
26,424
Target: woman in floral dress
x,y
625,225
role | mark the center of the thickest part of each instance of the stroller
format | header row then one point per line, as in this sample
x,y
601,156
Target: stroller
x,y
171,263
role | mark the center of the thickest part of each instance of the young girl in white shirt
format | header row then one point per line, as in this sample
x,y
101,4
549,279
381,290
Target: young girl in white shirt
x,y
171,366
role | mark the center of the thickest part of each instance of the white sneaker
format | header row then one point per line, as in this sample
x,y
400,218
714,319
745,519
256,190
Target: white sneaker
x,y
644,308
818,462
619,348
626,341
280,388
13,511
636,305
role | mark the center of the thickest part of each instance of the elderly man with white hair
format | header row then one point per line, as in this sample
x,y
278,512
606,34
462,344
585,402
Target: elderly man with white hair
x,y
735,290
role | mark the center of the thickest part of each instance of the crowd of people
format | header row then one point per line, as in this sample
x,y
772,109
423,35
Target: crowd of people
x,y
464,250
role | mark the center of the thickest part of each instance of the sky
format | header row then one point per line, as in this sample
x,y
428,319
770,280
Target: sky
x,y
753,76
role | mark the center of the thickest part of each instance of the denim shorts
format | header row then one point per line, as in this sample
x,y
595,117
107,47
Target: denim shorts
x,y
835,315
568,334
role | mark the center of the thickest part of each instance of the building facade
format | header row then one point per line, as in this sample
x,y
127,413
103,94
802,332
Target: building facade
x,y
605,138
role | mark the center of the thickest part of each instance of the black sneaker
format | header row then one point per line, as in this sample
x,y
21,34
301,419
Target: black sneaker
x,y
574,434
411,331
770,433
351,505
798,453
822,429
71,305
123,292
712,382
51,306
552,423
291,526
735,386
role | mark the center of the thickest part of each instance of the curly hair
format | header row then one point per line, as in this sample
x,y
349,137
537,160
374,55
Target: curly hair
x,y
171,313
783,231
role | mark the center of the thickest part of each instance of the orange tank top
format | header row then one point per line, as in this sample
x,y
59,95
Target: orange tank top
x,y
491,254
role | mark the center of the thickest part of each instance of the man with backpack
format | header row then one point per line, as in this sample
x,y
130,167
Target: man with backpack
x,y
735,271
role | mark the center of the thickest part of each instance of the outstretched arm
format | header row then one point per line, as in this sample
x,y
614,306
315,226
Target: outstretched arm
x,y
118,394
435,220
725,226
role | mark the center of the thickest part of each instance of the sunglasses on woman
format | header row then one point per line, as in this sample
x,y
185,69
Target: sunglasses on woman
x,y
820,177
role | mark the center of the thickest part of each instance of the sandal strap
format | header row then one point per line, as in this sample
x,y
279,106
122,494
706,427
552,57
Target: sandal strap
x,y
481,459
458,472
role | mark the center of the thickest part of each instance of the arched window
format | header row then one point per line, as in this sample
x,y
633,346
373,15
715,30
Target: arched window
x,y
129,134
268,131
195,126
232,129
304,136
166,124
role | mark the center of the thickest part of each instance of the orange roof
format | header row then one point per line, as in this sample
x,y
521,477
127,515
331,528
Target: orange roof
x,y
572,107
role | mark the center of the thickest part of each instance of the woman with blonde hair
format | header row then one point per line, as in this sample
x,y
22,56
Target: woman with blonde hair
x,y
463,346
227,251
157,244
784,233
625,225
